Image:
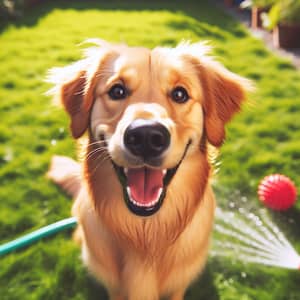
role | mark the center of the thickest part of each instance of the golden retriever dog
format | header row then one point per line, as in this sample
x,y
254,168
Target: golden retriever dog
x,y
144,203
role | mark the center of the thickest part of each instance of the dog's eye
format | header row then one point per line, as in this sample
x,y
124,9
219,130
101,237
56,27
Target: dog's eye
x,y
118,92
180,95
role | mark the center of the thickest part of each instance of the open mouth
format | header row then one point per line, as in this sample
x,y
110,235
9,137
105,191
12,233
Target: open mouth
x,y
144,188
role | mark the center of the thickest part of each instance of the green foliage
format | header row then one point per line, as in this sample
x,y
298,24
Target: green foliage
x,y
11,8
283,11
265,138
257,3
289,11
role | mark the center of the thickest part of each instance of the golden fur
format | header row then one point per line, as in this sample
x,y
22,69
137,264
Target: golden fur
x,y
145,258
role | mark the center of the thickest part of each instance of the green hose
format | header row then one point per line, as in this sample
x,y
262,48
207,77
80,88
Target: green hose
x,y
37,235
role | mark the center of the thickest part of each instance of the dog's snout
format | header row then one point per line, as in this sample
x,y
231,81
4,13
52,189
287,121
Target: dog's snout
x,y
147,139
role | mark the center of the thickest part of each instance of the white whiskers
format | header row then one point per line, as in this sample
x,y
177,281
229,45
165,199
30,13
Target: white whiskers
x,y
99,154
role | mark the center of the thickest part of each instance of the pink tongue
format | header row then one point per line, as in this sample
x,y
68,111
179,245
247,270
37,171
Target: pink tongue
x,y
144,184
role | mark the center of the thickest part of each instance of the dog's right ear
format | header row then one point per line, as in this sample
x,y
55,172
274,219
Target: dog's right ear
x,y
74,85
70,85
72,97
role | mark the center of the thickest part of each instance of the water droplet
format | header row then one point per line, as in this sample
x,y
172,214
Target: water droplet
x,y
251,216
242,210
258,223
231,215
46,211
8,156
244,199
256,219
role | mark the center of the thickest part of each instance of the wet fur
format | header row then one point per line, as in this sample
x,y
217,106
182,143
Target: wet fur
x,y
139,258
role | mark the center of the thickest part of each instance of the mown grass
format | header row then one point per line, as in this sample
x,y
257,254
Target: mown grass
x,y
265,138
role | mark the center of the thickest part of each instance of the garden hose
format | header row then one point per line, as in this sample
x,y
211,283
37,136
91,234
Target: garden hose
x,y
37,235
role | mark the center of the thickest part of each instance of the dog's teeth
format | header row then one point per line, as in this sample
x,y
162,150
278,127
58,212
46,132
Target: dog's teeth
x,y
147,205
126,171
130,198
159,192
164,172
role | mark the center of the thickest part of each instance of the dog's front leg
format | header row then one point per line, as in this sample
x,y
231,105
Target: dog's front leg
x,y
179,295
115,296
139,279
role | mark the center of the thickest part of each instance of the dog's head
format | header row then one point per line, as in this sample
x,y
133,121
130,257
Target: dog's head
x,y
151,110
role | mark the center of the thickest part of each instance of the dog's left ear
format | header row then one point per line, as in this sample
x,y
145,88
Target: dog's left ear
x,y
223,93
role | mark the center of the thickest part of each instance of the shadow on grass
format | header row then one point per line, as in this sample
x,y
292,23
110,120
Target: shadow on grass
x,y
204,287
192,8
94,290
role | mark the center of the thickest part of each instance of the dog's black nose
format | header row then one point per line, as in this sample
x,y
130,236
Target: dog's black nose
x,y
147,139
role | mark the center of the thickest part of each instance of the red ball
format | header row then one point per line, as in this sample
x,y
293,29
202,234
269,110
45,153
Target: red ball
x,y
277,192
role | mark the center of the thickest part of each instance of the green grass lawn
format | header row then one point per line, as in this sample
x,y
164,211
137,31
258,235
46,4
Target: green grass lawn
x,y
264,139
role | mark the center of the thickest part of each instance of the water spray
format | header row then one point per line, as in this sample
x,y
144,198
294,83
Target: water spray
x,y
253,238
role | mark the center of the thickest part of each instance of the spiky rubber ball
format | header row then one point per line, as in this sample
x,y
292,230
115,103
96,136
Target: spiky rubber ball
x,y
277,192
